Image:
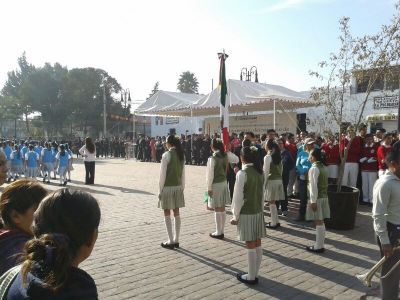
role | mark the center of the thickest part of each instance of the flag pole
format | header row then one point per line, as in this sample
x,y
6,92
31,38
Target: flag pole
x,y
224,112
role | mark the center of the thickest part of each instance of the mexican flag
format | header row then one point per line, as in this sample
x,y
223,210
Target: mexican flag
x,y
224,113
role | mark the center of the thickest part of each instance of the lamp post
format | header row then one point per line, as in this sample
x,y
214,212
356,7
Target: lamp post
x,y
125,100
247,74
104,113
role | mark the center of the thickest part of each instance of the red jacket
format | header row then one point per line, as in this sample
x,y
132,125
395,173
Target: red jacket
x,y
369,152
292,150
354,152
382,152
331,153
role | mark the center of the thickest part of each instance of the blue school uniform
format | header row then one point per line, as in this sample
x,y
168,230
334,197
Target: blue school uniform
x,y
24,150
7,151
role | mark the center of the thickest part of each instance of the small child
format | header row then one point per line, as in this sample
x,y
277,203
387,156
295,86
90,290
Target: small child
x,y
63,159
16,163
31,162
47,162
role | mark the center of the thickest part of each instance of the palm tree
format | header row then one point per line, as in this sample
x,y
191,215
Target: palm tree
x,y
188,83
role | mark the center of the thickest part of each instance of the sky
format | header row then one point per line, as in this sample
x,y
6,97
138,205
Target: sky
x,y
141,42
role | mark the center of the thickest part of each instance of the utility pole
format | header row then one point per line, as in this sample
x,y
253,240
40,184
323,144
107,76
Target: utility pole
x,y
104,113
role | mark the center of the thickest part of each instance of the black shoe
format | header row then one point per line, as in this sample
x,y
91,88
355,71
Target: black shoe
x,y
219,237
44,179
311,249
69,180
65,183
268,225
176,245
167,245
246,281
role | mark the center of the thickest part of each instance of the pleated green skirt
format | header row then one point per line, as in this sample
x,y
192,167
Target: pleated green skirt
x,y
274,190
323,210
221,196
251,227
171,197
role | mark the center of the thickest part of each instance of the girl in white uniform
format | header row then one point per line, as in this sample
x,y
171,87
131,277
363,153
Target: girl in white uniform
x,y
247,210
273,181
318,206
217,185
171,186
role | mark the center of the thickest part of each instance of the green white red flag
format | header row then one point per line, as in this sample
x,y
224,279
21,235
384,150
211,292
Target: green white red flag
x,y
224,112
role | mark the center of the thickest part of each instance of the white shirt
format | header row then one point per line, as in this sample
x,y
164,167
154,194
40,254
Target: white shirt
x,y
87,156
238,192
266,167
386,205
232,159
313,174
165,159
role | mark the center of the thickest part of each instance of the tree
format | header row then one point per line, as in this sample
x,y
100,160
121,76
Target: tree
x,y
188,83
370,57
154,90
13,88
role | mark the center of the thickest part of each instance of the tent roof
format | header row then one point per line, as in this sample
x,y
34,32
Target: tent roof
x,y
243,96
164,101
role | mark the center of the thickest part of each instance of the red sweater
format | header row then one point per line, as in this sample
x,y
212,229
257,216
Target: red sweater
x,y
354,152
369,151
382,152
332,153
292,150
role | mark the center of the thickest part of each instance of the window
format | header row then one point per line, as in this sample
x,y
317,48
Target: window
x,y
392,81
362,84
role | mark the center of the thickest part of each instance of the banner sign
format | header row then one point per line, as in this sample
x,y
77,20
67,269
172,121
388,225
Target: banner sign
x,y
259,124
386,102
172,120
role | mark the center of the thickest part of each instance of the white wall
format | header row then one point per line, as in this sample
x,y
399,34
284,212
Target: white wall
x,y
184,123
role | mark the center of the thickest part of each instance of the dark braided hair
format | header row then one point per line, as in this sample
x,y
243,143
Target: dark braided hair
x,y
250,155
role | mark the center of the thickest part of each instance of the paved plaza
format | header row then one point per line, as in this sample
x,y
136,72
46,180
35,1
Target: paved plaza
x,y
128,262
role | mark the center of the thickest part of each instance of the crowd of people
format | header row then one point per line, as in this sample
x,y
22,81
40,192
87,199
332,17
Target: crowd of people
x,y
250,173
273,168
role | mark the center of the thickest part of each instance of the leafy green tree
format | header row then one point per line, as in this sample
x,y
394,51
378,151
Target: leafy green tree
x,y
188,83
13,88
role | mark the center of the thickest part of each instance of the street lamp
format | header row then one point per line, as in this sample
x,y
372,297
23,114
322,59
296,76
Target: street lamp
x,y
247,74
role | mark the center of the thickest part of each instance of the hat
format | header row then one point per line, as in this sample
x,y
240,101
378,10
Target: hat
x,y
309,141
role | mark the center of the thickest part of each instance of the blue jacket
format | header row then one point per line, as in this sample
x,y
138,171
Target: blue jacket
x,y
302,164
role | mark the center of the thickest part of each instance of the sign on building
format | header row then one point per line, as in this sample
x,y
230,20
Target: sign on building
x,y
172,120
259,124
386,102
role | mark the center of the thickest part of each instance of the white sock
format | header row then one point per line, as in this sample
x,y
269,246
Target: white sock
x,y
259,258
168,225
217,223
177,228
274,214
223,219
252,260
320,236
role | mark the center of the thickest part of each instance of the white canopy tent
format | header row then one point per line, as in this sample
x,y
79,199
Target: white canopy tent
x,y
242,97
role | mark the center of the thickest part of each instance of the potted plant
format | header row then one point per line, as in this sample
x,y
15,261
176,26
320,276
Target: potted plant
x,y
367,59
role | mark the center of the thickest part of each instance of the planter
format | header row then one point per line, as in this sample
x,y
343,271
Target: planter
x,y
343,206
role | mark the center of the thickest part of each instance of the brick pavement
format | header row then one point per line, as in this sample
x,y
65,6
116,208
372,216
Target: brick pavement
x,y
128,262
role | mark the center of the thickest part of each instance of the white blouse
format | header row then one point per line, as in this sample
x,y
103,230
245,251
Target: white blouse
x,y
313,174
232,159
87,156
165,159
238,192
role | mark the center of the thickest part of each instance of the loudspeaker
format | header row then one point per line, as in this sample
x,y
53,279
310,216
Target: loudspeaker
x,y
301,123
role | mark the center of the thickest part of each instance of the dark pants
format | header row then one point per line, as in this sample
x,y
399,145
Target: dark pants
x,y
303,198
283,204
89,168
390,285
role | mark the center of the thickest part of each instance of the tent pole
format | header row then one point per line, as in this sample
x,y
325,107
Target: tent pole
x,y
191,124
274,114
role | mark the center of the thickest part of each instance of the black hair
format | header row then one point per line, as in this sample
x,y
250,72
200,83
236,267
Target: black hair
x,y
175,142
65,221
30,147
250,133
250,155
319,155
219,145
246,143
19,196
276,152
271,130
62,150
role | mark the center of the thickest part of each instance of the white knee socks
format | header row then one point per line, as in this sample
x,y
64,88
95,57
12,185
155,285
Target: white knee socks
x,y
220,218
177,228
274,214
252,260
259,258
168,225
320,236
